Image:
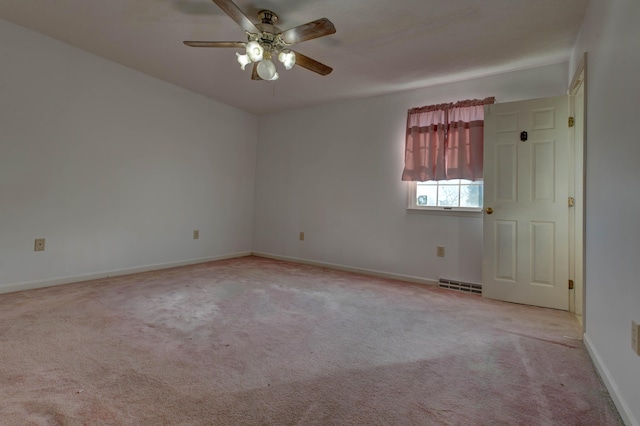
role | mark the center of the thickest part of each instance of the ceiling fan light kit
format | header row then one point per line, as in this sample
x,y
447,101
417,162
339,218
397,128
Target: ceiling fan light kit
x,y
288,59
267,70
266,41
263,46
244,60
255,51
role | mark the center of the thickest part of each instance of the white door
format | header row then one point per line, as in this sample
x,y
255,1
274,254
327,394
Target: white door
x,y
525,227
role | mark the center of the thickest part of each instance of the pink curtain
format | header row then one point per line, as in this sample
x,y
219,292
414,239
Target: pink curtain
x,y
445,141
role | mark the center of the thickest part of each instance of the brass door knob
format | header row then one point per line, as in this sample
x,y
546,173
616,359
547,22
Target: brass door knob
x,y
489,210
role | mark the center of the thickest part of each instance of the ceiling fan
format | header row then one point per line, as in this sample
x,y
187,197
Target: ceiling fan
x,y
266,41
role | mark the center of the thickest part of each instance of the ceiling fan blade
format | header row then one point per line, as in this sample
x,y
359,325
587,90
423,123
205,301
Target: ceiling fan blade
x,y
254,73
312,64
309,31
238,44
236,14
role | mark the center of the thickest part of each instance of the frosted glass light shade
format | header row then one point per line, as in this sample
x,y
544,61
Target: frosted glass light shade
x,y
243,60
288,59
267,70
254,51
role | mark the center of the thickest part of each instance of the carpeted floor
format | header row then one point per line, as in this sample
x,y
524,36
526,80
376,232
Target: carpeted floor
x,y
254,341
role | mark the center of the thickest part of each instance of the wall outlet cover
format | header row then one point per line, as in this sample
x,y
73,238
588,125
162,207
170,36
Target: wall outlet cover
x,y
39,244
196,234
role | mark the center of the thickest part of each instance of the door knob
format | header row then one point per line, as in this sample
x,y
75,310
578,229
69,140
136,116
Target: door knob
x,y
489,210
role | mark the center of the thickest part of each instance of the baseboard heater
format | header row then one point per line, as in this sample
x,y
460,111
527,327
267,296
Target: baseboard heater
x,y
460,286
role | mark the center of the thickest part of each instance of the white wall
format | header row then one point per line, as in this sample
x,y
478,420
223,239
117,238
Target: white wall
x,y
114,168
334,172
611,37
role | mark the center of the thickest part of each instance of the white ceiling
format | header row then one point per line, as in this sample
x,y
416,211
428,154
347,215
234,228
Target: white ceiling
x,y
381,46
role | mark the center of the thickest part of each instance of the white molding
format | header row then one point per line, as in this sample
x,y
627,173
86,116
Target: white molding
x,y
30,285
623,408
338,267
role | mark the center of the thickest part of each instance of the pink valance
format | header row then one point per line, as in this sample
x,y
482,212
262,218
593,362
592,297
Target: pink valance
x,y
445,141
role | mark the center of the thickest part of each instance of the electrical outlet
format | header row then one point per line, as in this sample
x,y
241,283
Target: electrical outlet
x,y
39,244
196,234
440,251
301,236
635,338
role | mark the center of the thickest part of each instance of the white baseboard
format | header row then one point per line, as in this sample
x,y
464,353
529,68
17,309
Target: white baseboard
x,y
363,271
623,408
9,288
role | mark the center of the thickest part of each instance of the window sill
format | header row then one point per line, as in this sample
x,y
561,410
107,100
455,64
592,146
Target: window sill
x,y
440,211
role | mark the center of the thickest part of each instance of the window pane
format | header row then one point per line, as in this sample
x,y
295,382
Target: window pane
x,y
471,195
426,195
448,196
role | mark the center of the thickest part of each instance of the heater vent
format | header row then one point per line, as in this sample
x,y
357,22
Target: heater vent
x,y
460,286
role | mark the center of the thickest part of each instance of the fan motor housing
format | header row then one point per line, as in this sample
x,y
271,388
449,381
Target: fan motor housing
x,y
267,17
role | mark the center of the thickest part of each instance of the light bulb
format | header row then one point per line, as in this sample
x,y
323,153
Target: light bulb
x,y
288,59
266,70
243,60
254,51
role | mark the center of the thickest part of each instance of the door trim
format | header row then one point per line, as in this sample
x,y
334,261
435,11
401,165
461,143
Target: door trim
x,y
579,81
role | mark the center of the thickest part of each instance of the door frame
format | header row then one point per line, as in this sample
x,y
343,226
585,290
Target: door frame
x,y
577,242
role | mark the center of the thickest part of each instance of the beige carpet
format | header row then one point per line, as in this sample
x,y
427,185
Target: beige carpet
x,y
253,341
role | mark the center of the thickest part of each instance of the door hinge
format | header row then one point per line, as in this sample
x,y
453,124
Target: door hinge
x,y
572,201
570,284
572,122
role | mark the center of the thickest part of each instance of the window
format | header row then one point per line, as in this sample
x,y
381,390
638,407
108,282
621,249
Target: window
x,y
453,194
444,155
